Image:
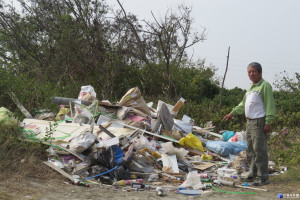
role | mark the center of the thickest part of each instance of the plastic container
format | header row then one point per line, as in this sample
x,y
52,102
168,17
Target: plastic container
x,y
227,174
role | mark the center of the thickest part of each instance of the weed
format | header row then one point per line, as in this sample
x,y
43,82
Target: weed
x,y
19,157
50,131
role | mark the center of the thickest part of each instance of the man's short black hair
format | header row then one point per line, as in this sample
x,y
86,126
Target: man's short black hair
x,y
256,65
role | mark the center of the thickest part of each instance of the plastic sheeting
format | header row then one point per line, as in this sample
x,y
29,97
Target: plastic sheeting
x,y
225,148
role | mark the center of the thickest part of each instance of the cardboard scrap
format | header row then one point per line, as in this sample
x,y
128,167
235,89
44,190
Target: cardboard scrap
x,y
133,98
204,165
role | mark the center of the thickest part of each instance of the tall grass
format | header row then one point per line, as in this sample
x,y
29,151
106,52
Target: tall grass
x,y
19,157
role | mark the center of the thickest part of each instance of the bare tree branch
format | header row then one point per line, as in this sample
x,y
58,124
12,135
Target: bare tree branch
x,y
140,45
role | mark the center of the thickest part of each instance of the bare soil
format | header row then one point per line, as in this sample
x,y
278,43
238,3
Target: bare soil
x,y
60,188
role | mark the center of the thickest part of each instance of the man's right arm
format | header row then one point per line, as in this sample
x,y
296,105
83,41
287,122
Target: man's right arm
x,y
239,109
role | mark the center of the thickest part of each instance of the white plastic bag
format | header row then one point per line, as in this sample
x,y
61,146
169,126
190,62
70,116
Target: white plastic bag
x,y
170,149
87,90
141,143
193,179
241,136
82,115
82,142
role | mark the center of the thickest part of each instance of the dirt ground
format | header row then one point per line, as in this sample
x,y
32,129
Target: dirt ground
x,y
60,188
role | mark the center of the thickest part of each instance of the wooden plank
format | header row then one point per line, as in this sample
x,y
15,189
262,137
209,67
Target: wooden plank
x,y
71,152
106,131
62,172
157,124
205,131
105,126
20,106
80,169
166,118
185,162
177,174
252,188
58,146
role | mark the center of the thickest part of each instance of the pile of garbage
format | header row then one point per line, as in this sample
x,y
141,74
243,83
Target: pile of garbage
x,y
133,146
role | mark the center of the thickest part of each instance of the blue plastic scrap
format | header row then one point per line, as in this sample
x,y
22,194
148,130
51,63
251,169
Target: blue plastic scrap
x,y
246,184
227,135
119,153
225,148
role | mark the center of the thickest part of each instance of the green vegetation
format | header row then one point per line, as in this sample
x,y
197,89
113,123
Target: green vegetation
x,y
52,48
18,156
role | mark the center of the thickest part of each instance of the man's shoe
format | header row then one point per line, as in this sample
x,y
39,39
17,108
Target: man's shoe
x,y
260,182
249,179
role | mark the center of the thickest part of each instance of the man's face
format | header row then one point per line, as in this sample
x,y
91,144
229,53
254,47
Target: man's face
x,y
254,75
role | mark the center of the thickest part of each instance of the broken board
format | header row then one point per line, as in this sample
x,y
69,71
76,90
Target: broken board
x,y
62,172
204,165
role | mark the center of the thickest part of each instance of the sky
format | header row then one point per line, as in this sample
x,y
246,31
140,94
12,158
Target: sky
x,y
264,31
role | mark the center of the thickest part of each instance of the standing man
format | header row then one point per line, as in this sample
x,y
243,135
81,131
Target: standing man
x,y
259,107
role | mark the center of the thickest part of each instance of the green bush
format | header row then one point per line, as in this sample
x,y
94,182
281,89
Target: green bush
x,y
285,149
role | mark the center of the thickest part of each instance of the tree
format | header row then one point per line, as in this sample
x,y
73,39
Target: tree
x,y
166,40
54,47
285,82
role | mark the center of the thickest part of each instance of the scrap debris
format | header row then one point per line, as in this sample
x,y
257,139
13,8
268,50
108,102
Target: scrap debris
x,y
135,147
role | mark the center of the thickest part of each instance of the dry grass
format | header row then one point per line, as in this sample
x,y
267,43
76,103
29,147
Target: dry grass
x,y
20,158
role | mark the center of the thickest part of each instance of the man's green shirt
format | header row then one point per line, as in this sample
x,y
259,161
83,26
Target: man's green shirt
x,y
265,90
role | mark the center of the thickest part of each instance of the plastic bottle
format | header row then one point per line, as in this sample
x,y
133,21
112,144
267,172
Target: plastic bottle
x,y
80,183
206,180
120,183
205,175
159,191
128,182
139,185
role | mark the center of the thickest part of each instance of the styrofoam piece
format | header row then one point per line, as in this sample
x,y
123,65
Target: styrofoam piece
x,y
187,119
111,142
182,126
170,107
170,161
104,119
170,149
